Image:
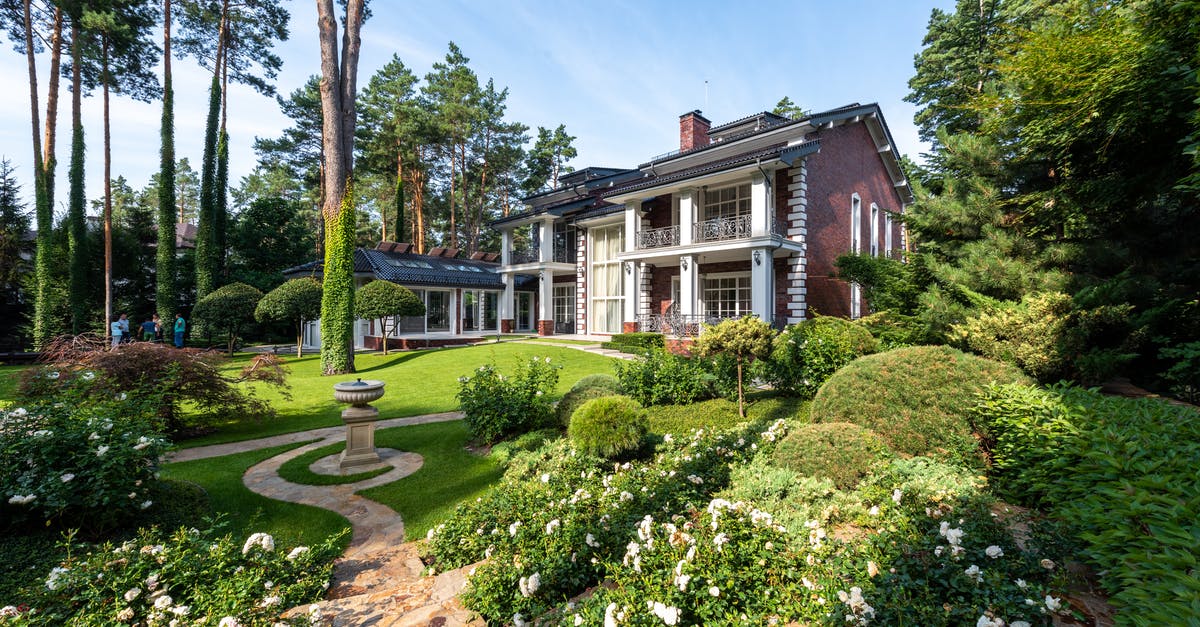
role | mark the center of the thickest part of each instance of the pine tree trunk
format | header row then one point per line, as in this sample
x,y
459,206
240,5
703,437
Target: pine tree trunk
x,y
48,159
108,295
165,292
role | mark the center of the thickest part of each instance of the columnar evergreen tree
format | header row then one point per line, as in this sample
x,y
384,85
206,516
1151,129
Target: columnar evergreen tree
x,y
14,224
339,73
77,240
165,286
206,243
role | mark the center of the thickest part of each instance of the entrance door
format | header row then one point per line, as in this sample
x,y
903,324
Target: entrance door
x,y
437,311
564,308
524,311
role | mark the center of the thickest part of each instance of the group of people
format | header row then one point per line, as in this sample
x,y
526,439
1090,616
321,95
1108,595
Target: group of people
x,y
152,330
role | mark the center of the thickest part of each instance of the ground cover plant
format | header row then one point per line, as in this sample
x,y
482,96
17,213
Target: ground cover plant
x,y
918,398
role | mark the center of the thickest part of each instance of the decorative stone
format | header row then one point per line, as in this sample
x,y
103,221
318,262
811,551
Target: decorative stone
x,y
360,420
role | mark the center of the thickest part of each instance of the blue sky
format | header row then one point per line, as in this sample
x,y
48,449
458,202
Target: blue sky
x,y
617,74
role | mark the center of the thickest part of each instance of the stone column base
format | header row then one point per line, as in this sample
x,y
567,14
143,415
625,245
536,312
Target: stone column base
x,y
360,437
506,325
545,327
629,327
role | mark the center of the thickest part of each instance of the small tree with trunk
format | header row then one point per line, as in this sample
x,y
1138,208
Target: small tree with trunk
x,y
387,302
295,302
745,339
228,309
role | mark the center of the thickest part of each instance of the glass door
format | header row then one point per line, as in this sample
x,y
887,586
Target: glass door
x,y
524,311
564,308
437,311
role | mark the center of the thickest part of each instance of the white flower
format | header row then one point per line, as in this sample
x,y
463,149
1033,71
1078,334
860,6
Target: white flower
x,y
125,615
101,451
994,551
56,573
539,393
529,585
714,591
545,477
610,615
590,540
1047,564
721,540
270,601
681,582
19,412
268,585
874,511
132,594
42,433
988,621
145,504
518,620
552,525
314,613
143,442
669,615
1021,584
163,602
974,572
66,478
229,621
18,499
88,376
578,620
860,612
181,610
1053,604
297,552
896,494
52,375
512,529
259,539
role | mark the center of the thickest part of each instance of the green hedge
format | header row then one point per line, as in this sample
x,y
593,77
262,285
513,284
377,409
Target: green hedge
x,y
634,342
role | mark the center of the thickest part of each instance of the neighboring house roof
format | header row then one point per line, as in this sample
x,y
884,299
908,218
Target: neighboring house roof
x,y
185,235
412,269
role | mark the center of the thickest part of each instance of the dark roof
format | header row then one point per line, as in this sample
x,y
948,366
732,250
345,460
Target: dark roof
x,y
762,118
412,269
587,174
782,150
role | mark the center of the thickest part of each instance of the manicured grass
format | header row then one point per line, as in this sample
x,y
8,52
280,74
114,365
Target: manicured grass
x,y
719,413
296,469
10,376
550,340
418,382
450,475
221,478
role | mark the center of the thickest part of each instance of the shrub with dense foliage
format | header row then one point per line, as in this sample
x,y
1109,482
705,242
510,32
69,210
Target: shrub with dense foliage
x,y
635,342
294,302
919,399
839,451
608,427
496,406
1183,376
79,464
584,390
227,310
1123,471
186,577
157,378
809,352
661,377
743,340
386,302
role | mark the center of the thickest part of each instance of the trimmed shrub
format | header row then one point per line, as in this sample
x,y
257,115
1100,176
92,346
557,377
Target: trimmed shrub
x,y
664,378
635,342
608,427
293,302
228,310
721,413
496,406
743,341
599,380
918,398
839,451
806,354
575,398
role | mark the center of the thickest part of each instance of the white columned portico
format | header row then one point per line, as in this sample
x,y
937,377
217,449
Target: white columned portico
x,y
629,270
762,284
546,240
545,302
687,215
689,284
760,205
506,307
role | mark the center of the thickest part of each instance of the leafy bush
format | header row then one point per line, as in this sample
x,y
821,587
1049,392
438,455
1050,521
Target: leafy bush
x,y
635,342
839,451
1124,472
89,465
228,309
1183,375
743,340
600,381
386,302
495,406
807,353
919,399
158,378
663,378
586,389
191,576
293,302
608,427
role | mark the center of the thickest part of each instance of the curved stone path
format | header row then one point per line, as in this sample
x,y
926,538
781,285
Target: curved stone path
x,y
377,581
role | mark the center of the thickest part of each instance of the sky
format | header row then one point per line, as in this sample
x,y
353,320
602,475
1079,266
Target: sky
x,y
618,74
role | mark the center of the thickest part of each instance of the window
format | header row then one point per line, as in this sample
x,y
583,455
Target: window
x,y
727,296
855,247
564,243
412,324
564,308
524,311
437,311
727,202
874,230
606,285
887,234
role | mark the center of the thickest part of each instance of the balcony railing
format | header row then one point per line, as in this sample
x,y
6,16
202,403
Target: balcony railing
x,y
524,256
658,238
732,228
562,254
677,324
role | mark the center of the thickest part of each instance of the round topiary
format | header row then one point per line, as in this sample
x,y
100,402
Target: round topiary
x,y
575,398
608,427
598,381
839,451
918,398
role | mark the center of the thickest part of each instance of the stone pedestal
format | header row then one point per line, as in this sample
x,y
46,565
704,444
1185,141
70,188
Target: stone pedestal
x,y
360,420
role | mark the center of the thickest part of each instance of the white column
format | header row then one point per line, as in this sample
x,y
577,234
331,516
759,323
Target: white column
x,y
633,219
759,205
689,285
506,245
545,295
762,284
546,239
687,215
506,300
629,274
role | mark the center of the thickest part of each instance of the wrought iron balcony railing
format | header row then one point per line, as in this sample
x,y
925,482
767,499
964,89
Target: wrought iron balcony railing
x,y
562,254
658,238
732,228
677,324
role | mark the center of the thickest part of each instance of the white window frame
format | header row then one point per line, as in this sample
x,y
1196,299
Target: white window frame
x,y
616,293
563,301
855,247
743,283
874,230
736,206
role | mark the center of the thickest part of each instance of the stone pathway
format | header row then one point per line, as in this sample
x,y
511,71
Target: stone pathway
x,y
377,581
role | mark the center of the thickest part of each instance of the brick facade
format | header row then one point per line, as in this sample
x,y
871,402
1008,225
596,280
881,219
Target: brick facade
x,y
693,130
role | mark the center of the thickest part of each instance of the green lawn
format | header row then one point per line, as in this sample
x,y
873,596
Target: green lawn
x,y
419,382
551,340
221,478
10,376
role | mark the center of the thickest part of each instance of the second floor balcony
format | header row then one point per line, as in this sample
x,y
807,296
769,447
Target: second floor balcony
x,y
728,228
562,253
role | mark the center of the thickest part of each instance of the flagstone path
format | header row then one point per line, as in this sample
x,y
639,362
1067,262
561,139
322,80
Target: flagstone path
x,y
377,581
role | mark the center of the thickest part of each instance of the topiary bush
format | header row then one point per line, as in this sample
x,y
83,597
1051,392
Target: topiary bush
x,y
293,302
575,398
635,342
839,451
805,354
609,427
918,398
228,310
598,380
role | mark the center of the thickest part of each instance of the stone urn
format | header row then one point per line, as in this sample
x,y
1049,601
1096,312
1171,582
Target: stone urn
x,y
360,419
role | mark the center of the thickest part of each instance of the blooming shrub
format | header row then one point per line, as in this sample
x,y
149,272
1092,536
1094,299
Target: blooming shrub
x,y
187,577
805,354
608,427
83,465
496,406
660,377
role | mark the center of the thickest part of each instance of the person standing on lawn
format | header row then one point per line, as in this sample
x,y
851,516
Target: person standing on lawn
x,y
124,321
158,330
180,327
148,330
114,329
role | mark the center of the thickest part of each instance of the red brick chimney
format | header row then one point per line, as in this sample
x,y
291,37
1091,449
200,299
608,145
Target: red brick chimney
x,y
693,130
